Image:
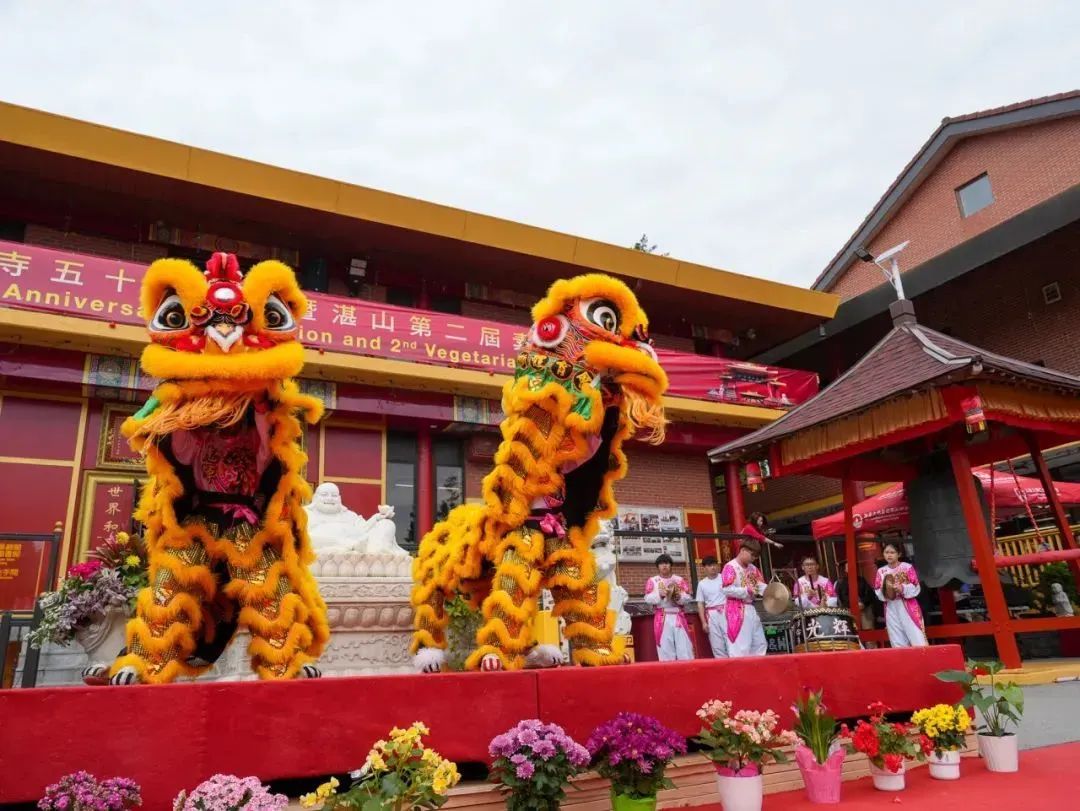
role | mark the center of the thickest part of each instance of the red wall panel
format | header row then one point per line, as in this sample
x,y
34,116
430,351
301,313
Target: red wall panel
x,y
39,504
354,453
361,498
38,429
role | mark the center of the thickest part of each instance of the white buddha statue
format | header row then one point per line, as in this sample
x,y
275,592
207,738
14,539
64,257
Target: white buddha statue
x,y
333,527
605,570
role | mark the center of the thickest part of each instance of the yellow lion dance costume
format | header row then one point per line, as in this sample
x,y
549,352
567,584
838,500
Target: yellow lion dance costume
x,y
225,527
586,381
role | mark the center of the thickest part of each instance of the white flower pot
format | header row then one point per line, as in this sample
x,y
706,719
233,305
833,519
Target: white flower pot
x,y
104,637
1000,753
740,793
945,766
884,780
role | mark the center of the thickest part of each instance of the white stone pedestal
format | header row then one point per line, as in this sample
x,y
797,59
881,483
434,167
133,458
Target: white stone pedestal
x,y
367,602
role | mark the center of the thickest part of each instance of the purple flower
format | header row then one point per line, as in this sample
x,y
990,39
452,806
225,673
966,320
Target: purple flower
x,y
631,744
544,749
525,770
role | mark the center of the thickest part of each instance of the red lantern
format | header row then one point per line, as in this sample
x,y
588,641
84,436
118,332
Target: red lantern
x,y
754,480
974,418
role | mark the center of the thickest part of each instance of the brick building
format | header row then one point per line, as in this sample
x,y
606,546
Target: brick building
x,y
416,308
990,207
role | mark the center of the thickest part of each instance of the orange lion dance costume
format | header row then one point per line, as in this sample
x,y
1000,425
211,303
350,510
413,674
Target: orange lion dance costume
x,y
586,381
225,527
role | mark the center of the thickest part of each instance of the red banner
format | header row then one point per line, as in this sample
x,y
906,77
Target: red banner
x,y
732,381
108,290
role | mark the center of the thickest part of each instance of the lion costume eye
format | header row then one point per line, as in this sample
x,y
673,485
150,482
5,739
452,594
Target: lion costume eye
x,y
602,313
170,315
277,315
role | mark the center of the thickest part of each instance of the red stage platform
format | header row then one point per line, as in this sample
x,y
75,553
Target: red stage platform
x,y
1043,782
170,737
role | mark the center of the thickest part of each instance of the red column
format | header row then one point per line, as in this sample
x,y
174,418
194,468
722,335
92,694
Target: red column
x,y
984,553
847,487
1060,518
735,508
425,484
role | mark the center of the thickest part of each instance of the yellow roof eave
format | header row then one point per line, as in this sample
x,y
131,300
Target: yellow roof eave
x,y
84,335
40,130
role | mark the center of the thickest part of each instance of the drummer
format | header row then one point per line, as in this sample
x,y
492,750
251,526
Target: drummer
x,y
897,586
710,606
812,590
742,582
668,593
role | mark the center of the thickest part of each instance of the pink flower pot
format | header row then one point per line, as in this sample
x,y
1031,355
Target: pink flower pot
x,y
822,780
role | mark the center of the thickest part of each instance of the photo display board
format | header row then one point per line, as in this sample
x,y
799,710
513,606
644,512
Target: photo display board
x,y
648,521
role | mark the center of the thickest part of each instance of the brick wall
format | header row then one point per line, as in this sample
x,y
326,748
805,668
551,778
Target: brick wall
x,y
1026,166
141,252
1000,306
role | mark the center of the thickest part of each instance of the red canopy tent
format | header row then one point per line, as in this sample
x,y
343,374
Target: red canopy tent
x,y
888,510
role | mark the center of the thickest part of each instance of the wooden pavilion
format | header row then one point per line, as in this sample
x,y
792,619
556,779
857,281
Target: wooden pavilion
x,y
917,392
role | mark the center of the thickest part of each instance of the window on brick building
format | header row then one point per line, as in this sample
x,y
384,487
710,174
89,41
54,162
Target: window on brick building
x,y
975,195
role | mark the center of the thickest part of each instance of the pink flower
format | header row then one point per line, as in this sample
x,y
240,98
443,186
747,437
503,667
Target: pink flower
x,y
84,571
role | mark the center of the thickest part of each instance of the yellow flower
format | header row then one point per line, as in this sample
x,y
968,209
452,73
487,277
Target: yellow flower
x,y
321,794
375,760
132,560
122,537
430,756
420,727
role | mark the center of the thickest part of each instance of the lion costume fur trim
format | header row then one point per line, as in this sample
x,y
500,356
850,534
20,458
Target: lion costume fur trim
x,y
210,388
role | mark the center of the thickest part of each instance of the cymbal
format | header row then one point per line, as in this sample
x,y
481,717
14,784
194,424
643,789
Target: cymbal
x,y
777,598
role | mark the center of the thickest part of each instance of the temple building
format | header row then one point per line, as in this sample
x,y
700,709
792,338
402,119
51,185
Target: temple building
x,y
990,210
415,312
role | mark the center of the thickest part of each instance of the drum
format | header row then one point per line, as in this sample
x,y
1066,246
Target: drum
x,y
825,629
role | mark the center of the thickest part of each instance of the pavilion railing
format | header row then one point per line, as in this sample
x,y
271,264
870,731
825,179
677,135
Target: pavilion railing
x,y
1027,576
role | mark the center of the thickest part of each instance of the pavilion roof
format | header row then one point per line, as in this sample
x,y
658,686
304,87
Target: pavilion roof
x,y
911,357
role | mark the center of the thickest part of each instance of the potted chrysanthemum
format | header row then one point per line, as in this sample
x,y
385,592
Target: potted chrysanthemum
x,y
633,751
944,725
887,745
81,791
739,745
819,752
533,762
399,775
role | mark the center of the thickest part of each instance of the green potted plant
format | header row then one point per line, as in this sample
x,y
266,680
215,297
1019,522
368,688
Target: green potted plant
x,y
96,599
819,754
999,703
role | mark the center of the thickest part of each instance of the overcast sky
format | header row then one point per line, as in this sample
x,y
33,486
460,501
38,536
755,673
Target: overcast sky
x,y
747,136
